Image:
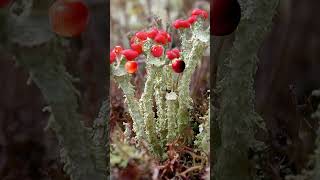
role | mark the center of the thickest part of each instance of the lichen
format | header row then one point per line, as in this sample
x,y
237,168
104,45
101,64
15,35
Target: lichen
x,y
165,91
236,113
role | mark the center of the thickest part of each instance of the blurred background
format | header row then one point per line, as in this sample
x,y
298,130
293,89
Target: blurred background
x,y
288,72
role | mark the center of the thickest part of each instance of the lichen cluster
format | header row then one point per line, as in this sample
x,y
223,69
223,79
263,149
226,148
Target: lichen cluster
x,y
167,90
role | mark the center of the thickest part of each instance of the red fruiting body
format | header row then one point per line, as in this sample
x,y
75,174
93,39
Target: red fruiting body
x,y
131,66
178,66
200,12
117,49
142,35
185,24
136,44
181,24
130,54
163,33
192,19
68,18
137,47
197,12
171,55
157,50
225,17
4,3
160,38
168,37
133,39
176,51
113,57
152,33
176,23
204,14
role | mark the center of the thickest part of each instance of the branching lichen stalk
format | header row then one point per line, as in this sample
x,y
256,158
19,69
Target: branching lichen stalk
x,y
184,97
133,105
236,113
147,106
172,106
160,92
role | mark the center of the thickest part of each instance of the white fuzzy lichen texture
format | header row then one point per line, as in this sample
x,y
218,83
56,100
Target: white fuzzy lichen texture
x,y
236,110
161,115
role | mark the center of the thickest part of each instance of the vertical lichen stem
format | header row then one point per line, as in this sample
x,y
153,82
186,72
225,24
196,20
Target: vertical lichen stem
x,y
236,113
160,92
146,103
133,105
172,106
184,84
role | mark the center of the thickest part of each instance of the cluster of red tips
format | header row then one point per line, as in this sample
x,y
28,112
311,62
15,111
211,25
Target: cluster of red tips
x,y
158,36
180,23
131,65
137,47
192,19
200,12
136,43
162,37
152,33
184,24
142,35
172,54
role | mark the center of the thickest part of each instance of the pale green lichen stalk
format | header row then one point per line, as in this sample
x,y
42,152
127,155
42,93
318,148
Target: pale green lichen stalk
x,y
133,105
203,138
164,90
172,106
147,107
162,120
236,110
192,60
